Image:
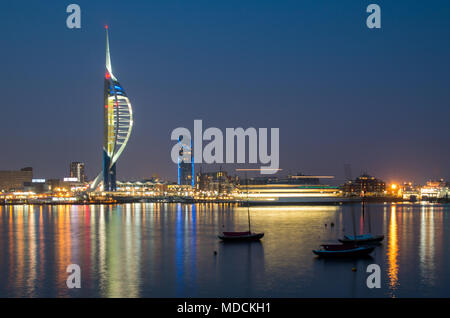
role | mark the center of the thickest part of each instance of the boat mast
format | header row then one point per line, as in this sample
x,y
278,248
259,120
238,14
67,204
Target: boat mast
x,y
368,218
354,225
248,206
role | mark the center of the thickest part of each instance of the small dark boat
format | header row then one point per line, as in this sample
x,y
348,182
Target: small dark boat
x,y
364,238
343,250
240,236
247,236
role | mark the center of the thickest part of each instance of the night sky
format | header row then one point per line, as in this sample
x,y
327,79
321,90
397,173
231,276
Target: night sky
x,y
339,92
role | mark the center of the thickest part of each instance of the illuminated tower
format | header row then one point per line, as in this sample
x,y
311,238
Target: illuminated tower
x,y
117,125
185,164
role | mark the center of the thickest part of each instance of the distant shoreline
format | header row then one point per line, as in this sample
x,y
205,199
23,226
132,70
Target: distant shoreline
x,y
230,202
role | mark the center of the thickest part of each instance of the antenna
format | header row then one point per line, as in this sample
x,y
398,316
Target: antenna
x,y
348,171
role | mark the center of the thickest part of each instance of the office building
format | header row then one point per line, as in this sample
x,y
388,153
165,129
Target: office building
x,y
77,171
12,180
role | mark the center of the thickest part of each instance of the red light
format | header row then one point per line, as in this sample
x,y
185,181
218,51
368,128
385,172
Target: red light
x,y
106,26
107,76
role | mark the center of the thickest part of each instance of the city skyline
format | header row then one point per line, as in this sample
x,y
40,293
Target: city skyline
x,y
214,157
381,110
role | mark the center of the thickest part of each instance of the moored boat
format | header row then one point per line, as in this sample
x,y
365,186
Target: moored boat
x,y
343,250
240,236
246,236
346,249
364,238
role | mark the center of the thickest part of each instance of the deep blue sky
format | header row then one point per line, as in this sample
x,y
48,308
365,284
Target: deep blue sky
x,y
339,92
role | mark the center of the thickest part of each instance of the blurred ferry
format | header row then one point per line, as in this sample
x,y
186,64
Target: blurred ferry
x,y
292,194
292,190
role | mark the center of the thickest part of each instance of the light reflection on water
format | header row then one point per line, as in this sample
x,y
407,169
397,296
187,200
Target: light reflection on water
x,y
167,250
392,251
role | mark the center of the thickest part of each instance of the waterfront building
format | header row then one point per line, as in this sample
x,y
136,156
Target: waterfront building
x,y
117,125
186,164
180,190
218,181
36,186
11,180
365,185
410,192
77,171
185,174
66,185
148,187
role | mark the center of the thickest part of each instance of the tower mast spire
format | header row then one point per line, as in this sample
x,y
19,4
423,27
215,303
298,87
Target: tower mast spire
x,y
108,56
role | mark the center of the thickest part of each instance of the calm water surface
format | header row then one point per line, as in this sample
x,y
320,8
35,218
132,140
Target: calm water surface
x,y
167,250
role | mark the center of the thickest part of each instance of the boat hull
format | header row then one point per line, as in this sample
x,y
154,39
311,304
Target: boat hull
x,y
351,252
372,239
242,238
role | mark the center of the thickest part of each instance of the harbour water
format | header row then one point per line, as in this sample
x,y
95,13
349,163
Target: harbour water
x,y
167,250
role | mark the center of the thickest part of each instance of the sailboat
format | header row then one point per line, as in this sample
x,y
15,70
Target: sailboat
x,y
246,236
343,250
347,249
363,238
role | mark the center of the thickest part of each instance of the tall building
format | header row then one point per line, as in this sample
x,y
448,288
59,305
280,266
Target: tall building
x,y
185,164
185,174
14,180
218,181
365,185
118,123
77,171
